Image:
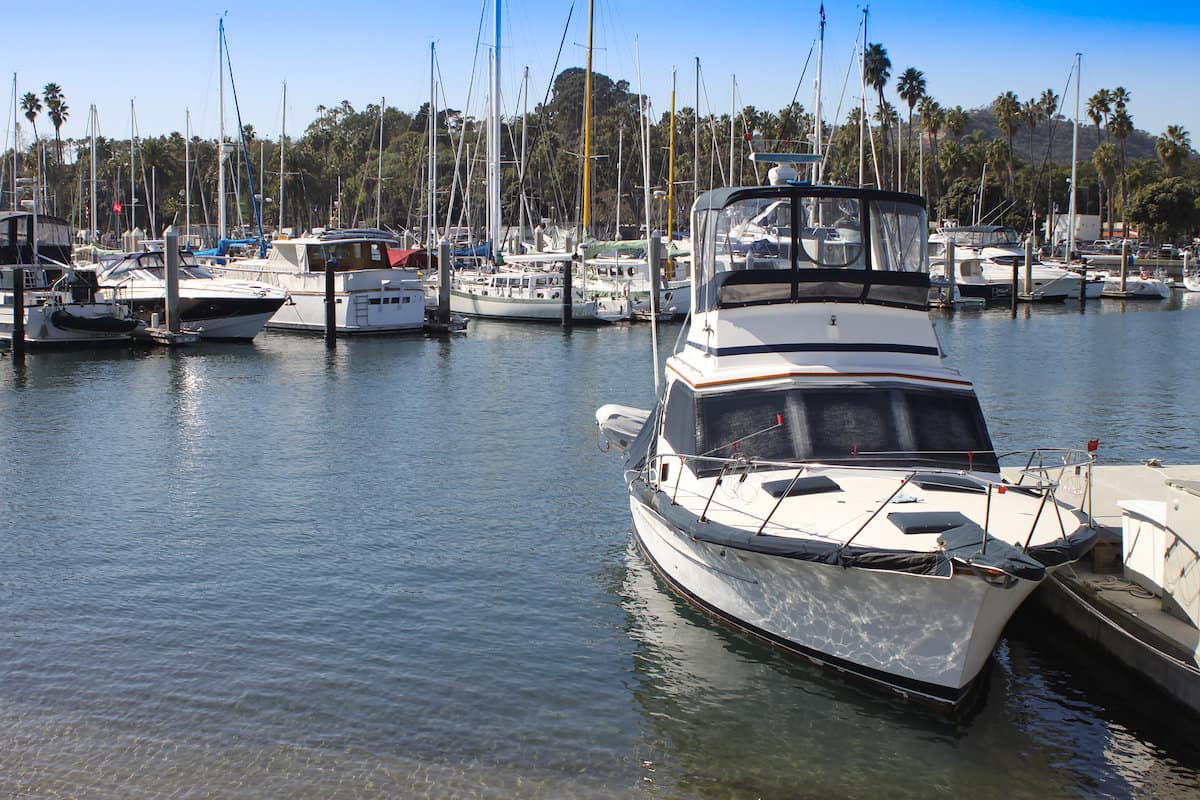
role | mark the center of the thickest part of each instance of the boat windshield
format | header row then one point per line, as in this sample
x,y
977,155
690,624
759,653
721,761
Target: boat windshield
x,y
804,243
349,255
858,425
155,263
980,236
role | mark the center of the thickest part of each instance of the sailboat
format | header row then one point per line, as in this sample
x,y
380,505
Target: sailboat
x,y
530,287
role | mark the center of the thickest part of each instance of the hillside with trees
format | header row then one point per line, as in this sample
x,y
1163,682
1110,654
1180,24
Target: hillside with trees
x,y
1014,156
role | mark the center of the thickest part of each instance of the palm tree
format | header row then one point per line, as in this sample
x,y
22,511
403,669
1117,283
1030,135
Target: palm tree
x,y
933,117
1120,126
911,88
877,68
1049,104
1106,160
1172,148
31,104
1098,108
58,111
956,122
1031,113
1007,108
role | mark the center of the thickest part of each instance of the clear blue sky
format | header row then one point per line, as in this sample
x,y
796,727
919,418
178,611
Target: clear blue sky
x,y
164,56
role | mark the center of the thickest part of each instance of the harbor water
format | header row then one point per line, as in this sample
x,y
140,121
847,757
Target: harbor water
x,y
402,568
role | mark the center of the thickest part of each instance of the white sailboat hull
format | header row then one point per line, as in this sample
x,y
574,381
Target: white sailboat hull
x,y
41,329
519,308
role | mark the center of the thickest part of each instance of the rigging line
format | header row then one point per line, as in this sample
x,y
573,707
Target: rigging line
x,y
454,184
1043,168
838,113
262,242
713,163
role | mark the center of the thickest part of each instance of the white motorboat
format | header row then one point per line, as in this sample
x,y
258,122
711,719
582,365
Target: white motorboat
x,y
370,295
814,474
1191,281
998,248
1138,286
214,308
61,306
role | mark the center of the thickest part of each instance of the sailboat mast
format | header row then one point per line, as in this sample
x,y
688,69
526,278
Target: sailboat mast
x,y
862,109
379,170
16,134
1074,165
696,138
587,130
521,167
221,154
431,212
494,145
671,165
94,228
620,155
187,178
732,116
817,102
282,147
132,182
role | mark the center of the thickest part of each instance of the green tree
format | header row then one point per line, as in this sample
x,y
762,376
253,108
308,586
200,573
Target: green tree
x,y
58,111
911,88
1107,162
1120,125
1007,108
877,68
1166,209
956,122
1098,108
1172,149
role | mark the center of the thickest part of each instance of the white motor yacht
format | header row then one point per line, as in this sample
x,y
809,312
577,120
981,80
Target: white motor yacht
x,y
61,306
215,308
370,295
814,474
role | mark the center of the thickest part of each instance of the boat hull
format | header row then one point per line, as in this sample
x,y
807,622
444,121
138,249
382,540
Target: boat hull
x,y
925,637
87,324
489,306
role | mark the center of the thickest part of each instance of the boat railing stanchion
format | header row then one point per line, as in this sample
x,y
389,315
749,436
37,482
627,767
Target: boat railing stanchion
x,y
682,462
786,492
18,328
987,518
1036,517
713,493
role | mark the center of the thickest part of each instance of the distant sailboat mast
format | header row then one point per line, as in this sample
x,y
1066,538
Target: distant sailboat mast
x,y
493,174
817,165
431,240
587,130
282,148
221,152
1074,166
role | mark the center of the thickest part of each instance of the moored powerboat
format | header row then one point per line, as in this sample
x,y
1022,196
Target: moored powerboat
x,y
214,308
370,296
813,473
61,307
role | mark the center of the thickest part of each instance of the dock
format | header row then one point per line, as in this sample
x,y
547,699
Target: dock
x,y
1136,596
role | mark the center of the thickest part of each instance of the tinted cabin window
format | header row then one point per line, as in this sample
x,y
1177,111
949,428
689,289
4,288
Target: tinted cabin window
x,y
751,425
855,425
852,422
950,423
679,426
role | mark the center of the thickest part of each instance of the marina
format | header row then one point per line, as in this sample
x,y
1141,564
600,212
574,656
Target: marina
x,y
414,595
533,437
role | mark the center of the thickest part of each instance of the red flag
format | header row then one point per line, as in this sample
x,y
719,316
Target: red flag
x,y
1093,445
117,206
